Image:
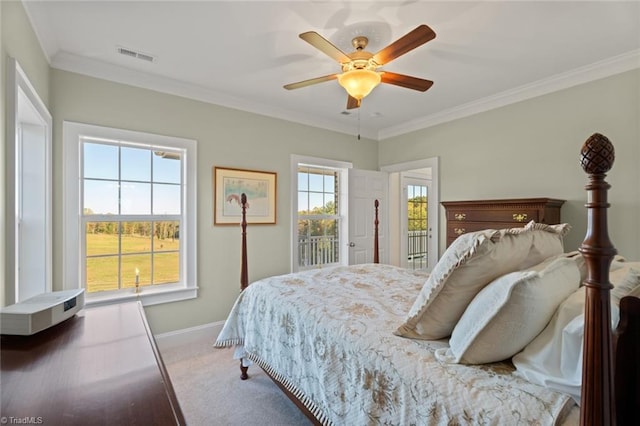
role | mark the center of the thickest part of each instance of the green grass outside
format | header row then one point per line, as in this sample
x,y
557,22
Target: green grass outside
x,y
102,272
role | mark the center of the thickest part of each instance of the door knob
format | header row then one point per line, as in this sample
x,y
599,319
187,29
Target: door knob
x,y
351,244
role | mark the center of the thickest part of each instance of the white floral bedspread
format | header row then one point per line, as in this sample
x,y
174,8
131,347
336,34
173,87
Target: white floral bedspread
x,y
327,336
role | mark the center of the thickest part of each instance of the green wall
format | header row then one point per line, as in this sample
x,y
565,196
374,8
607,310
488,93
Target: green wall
x,y
531,149
226,137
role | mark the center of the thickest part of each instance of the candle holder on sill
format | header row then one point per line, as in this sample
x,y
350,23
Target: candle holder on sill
x,y
137,290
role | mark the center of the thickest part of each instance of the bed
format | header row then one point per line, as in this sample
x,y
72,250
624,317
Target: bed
x,y
378,344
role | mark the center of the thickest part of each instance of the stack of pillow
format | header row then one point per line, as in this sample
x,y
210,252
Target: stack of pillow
x,y
554,358
496,293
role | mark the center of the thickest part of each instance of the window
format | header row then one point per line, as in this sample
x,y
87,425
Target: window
x,y
319,213
134,195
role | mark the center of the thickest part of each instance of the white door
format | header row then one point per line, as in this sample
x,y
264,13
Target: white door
x,y
418,248
366,186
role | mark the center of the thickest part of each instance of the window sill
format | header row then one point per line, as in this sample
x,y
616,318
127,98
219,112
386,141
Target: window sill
x,y
148,296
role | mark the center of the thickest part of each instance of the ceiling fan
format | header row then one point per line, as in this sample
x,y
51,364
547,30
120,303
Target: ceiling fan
x,y
359,68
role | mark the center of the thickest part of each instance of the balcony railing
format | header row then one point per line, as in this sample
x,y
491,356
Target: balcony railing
x,y
324,250
317,251
418,249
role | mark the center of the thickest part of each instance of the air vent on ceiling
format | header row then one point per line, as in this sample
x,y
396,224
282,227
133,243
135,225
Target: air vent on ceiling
x,y
133,54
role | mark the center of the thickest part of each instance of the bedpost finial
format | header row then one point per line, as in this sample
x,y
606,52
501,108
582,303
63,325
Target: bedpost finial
x,y
243,199
597,154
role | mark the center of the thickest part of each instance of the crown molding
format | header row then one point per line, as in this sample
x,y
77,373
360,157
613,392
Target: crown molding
x,y
99,69
103,70
602,69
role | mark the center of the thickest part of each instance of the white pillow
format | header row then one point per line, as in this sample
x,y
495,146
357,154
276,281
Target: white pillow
x,y
554,358
471,262
509,312
547,240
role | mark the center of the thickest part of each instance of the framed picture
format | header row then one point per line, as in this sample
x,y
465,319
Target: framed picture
x,y
258,186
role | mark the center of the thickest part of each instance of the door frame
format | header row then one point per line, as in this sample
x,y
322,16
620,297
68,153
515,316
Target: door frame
x,y
434,200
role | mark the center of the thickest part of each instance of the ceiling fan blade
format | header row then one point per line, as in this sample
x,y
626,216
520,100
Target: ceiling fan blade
x,y
325,46
407,81
353,102
309,82
409,41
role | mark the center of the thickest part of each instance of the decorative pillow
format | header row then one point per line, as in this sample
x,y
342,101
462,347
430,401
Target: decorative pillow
x,y
624,281
509,312
549,241
554,358
471,262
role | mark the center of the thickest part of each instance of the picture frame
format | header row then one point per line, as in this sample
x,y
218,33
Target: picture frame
x,y
261,191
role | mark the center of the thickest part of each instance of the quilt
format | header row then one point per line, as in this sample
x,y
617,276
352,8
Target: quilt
x,y
327,336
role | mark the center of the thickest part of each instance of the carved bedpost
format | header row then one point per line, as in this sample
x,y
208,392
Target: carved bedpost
x,y
597,402
376,222
244,276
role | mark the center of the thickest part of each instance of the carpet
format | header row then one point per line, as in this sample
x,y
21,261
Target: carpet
x,y
208,386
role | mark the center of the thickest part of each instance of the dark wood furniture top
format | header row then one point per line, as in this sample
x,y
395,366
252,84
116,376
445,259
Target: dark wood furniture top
x,y
100,367
469,216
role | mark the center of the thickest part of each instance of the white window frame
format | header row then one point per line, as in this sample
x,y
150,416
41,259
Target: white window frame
x,y
73,271
343,202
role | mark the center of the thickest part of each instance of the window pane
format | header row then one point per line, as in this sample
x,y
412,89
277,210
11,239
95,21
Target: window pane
x,y
136,237
304,248
166,199
316,182
100,161
166,167
136,198
102,274
166,236
166,268
135,164
303,202
329,183
100,197
318,242
101,238
316,202
303,181
136,265
329,204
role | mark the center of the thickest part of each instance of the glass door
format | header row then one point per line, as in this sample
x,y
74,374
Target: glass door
x,y
416,235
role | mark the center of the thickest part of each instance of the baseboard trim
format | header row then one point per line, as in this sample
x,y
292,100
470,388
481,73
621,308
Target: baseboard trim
x,y
189,335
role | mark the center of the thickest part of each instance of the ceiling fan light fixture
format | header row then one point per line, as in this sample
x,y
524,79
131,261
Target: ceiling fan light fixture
x,y
359,82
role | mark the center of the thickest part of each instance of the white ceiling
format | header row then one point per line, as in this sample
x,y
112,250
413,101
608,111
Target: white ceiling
x,y
239,53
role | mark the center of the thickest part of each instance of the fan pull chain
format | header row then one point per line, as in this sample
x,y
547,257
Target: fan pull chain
x,y
359,123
